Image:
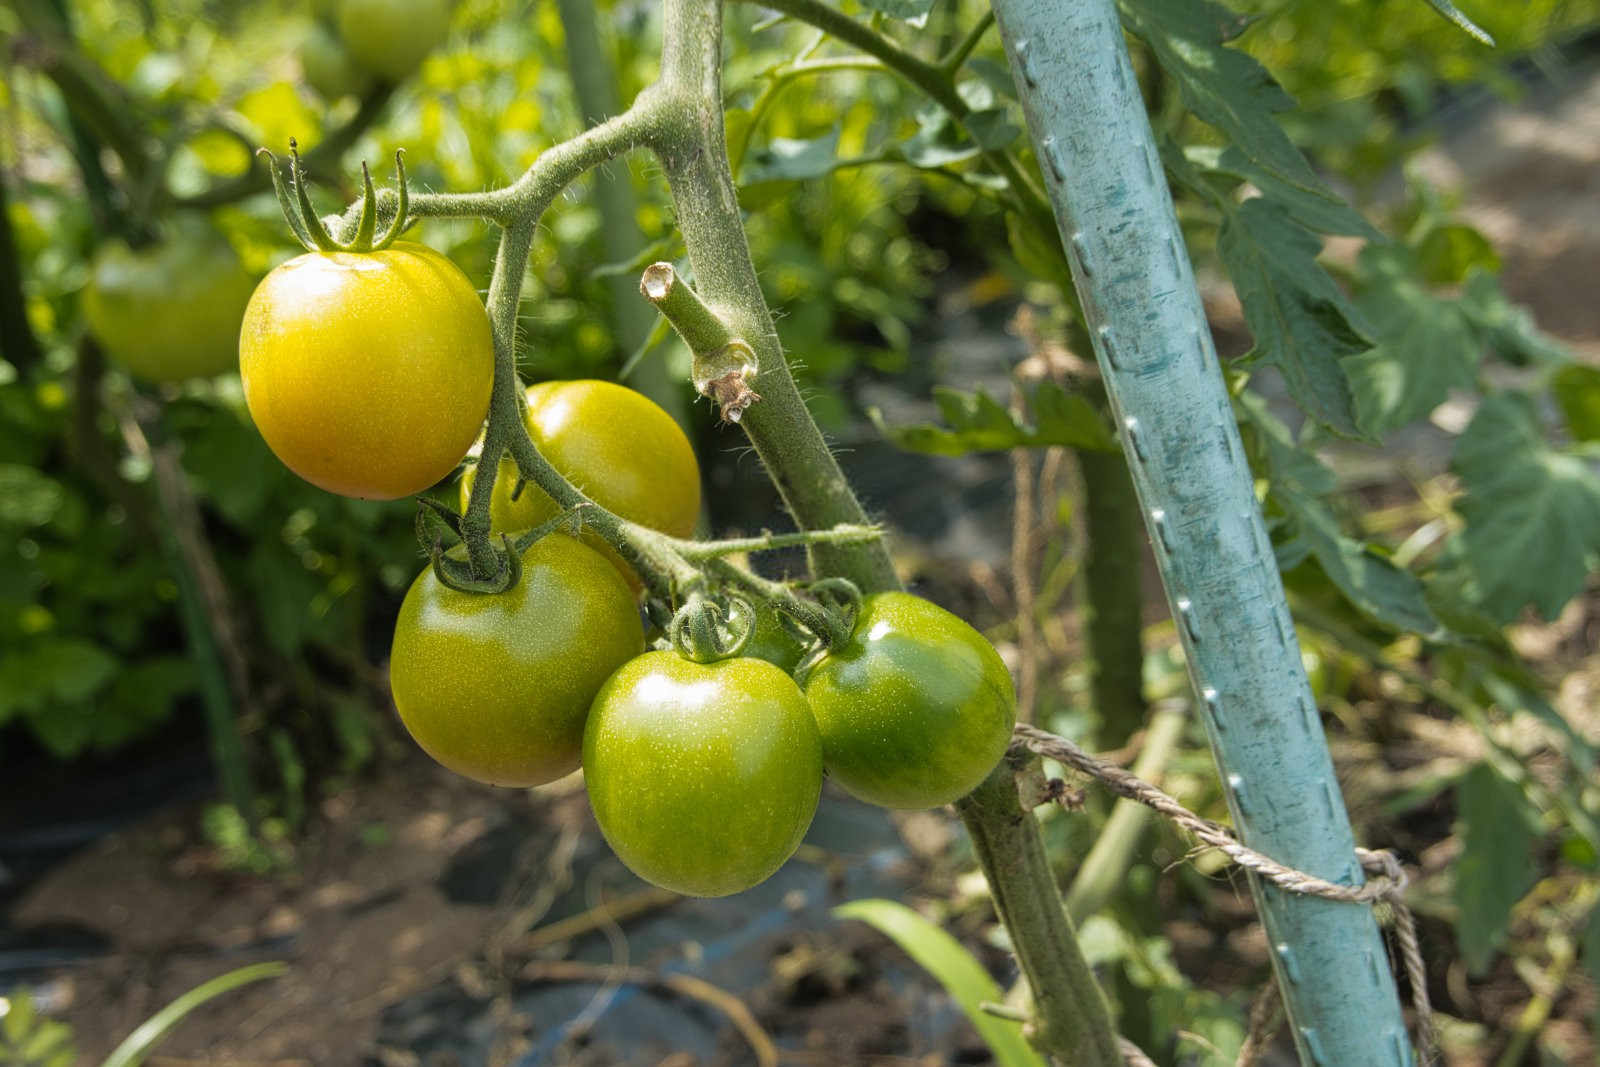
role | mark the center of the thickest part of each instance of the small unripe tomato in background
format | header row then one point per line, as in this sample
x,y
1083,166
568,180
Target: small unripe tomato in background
x,y
368,373
703,776
391,38
616,445
497,687
915,709
169,310
327,64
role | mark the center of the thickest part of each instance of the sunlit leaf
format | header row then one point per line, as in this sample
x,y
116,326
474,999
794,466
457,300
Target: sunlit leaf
x,y
1223,87
1301,321
962,976
976,422
276,113
1319,209
1426,347
1447,253
788,159
1577,391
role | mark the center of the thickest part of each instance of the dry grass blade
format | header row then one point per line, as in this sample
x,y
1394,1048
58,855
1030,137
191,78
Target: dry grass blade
x,y
682,984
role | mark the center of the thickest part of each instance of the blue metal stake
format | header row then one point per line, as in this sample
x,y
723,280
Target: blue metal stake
x,y
1132,273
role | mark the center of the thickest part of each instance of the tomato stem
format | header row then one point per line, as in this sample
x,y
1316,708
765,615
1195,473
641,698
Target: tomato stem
x,y
724,363
842,534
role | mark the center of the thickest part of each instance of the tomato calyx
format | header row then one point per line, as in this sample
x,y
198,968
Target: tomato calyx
x,y
308,226
438,523
702,632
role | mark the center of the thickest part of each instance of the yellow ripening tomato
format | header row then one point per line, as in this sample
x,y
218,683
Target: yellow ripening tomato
x,y
368,373
616,445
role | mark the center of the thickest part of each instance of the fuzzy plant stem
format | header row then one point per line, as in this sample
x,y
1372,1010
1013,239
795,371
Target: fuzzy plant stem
x,y
1071,1020
1115,215
694,154
594,85
1112,594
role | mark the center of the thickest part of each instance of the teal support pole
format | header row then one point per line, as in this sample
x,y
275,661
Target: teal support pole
x,y
1143,311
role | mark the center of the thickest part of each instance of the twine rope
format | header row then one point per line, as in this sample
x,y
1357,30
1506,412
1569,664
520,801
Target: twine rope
x,y
1388,884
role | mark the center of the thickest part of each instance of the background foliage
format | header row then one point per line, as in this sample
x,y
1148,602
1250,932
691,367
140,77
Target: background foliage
x,y
874,217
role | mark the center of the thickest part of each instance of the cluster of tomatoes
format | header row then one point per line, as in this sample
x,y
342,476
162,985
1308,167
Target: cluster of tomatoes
x,y
369,374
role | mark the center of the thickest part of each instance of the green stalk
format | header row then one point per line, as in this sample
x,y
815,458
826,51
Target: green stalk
x,y
1115,216
1070,1016
593,83
1112,595
1071,1020
1108,861
694,153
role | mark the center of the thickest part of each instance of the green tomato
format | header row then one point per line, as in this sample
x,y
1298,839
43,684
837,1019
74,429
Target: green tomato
x,y
171,310
327,65
497,687
391,38
703,776
915,709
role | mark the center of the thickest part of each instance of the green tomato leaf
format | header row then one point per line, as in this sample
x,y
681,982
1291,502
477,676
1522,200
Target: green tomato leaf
x,y
1363,574
1507,327
997,76
1448,252
1532,513
992,128
1224,87
962,976
938,142
979,423
1301,322
1494,871
787,159
1426,347
913,11
1319,209
1576,388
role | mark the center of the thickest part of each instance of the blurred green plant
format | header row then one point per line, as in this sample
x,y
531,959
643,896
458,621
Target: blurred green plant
x,y
29,1039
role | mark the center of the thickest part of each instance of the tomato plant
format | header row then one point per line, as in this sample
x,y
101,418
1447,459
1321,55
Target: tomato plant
x,y
170,310
916,709
497,687
618,446
368,373
392,37
703,776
